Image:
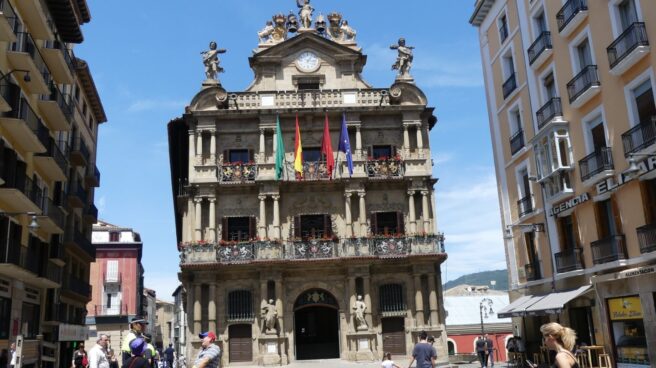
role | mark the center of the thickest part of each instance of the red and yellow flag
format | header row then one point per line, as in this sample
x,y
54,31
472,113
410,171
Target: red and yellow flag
x,y
298,150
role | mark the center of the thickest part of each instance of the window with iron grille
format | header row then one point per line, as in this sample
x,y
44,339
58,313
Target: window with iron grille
x,y
240,305
313,227
387,223
238,228
391,299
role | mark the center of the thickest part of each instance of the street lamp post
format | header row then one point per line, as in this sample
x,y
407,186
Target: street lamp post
x,y
485,308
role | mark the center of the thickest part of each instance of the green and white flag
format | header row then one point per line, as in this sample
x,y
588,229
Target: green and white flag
x,y
280,151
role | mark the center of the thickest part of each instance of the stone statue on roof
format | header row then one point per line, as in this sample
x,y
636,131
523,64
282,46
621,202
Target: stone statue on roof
x,y
211,61
266,32
305,12
403,59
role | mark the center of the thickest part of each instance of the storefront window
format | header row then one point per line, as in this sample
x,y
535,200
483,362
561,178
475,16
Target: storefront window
x,y
628,332
5,317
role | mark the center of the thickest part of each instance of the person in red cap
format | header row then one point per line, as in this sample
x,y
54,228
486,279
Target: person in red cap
x,y
209,355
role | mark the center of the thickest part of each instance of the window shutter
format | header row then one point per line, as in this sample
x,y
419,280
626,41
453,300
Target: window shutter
x,y
112,271
226,158
224,228
297,227
327,226
599,216
373,223
616,216
400,226
252,228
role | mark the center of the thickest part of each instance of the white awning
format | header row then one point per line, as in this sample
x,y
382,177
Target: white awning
x,y
516,308
555,302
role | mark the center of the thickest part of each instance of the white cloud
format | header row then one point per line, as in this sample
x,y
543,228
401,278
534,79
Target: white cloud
x,y
149,104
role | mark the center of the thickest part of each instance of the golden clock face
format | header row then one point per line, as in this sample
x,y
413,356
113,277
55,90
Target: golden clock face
x,y
307,61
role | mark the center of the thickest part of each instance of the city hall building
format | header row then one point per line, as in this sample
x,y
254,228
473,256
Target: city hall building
x,y
283,257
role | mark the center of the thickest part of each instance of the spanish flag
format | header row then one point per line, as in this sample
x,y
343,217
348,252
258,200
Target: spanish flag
x,y
298,150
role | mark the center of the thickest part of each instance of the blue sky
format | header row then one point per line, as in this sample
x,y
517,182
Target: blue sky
x,y
145,59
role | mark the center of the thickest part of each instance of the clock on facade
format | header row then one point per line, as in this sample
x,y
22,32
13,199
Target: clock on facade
x,y
307,61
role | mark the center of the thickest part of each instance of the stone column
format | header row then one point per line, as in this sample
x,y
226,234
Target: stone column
x,y
424,211
262,223
276,216
197,309
406,139
420,138
412,223
213,144
347,213
275,143
262,150
419,301
366,281
432,300
352,298
363,214
199,142
212,220
211,307
192,154
190,302
433,222
197,218
221,310
358,141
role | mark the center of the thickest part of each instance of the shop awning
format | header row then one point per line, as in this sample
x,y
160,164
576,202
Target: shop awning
x,y
516,308
555,302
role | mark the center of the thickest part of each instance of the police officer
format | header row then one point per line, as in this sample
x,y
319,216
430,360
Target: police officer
x,y
137,326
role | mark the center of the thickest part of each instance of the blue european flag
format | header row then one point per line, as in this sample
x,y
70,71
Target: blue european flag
x,y
345,145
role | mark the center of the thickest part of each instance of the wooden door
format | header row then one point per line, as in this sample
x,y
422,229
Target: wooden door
x,y
241,344
394,335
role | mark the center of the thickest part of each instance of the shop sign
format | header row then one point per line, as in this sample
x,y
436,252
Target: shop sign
x,y
624,308
636,272
571,203
615,182
73,332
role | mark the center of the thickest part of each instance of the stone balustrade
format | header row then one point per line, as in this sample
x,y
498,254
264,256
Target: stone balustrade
x,y
308,99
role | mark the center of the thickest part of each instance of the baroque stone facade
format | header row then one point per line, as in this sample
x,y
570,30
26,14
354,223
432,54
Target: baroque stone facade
x,y
274,261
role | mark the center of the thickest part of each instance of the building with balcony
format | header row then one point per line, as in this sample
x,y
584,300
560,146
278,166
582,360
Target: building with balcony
x,y
577,191
163,334
116,279
310,248
48,102
179,326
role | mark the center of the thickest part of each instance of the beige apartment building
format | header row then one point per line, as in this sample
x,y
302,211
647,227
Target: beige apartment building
x,y
50,112
288,267
573,124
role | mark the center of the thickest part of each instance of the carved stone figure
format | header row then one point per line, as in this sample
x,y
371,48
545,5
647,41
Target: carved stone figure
x,y
360,307
211,61
404,58
347,31
305,12
279,30
270,316
266,32
335,27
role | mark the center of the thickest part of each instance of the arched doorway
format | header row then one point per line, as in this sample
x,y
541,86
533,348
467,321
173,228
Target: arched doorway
x,y
316,325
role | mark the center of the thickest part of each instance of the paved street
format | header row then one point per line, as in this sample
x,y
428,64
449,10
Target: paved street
x,y
331,363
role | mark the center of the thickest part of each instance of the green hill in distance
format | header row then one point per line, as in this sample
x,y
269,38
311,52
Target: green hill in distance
x,y
482,278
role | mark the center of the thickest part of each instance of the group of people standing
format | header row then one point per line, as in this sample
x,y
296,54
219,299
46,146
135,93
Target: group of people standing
x,y
485,350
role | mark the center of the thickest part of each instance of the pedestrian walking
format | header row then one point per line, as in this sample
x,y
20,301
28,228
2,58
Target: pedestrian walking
x,y
169,355
561,340
481,351
98,353
137,327
388,362
423,353
209,355
12,355
138,348
80,359
490,350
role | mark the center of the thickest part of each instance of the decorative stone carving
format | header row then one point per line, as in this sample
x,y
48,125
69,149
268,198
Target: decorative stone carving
x,y
211,62
347,32
305,13
279,33
266,33
360,307
270,317
334,30
403,59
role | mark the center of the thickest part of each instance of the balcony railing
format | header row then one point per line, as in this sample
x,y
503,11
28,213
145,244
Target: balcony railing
x,y
633,37
80,287
532,272
569,11
57,155
596,162
639,137
79,152
548,111
21,109
609,249
525,205
517,141
238,172
314,170
384,167
308,99
509,85
10,250
58,97
114,310
91,213
81,241
92,177
540,45
569,260
25,43
583,81
113,277
647,238
56,45
57,249
78,196
249,251
55,213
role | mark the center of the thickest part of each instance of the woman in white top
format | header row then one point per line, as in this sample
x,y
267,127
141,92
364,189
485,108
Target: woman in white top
x,y
388,362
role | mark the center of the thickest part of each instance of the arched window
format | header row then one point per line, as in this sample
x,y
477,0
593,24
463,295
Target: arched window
x,y
240,306
391,299
451,346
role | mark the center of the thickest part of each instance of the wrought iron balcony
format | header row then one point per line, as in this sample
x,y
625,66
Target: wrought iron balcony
x,y
532,272
55,214
582,82
10,250
22,123
8,20
509,85
53,162
114,310
569,11
113,278
22,192
639,137
59,60
525,205
314,170
79,153
539,47
609,249
238,172
313,248
647,238
91,213
569,260
57,111
77,196
92,177
77,286
392,167
55,313
80,240
57,252
632,38
517,141
596,162
23,54
549,111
